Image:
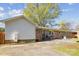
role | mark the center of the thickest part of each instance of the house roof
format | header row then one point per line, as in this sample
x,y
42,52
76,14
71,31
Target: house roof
x,y
20,16
57,30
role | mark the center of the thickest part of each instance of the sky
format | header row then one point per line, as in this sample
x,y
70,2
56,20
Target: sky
x,y
69,12
8,10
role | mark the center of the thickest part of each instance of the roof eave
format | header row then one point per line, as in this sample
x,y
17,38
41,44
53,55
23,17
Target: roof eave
x,y
10,18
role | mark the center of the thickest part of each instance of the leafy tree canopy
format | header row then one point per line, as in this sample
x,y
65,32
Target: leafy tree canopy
x,y
39,12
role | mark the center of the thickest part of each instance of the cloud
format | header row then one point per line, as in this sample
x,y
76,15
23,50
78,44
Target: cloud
x,y
15,12
1,9
9,8
1,14
65,10
11,13
70,3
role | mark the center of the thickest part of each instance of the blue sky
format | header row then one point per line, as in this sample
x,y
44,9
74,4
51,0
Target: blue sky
x,y
69,12
10,10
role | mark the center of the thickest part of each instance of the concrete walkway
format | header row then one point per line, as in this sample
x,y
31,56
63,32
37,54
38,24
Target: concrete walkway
x,y
45,48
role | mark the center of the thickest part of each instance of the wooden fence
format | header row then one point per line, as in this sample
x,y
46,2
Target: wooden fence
x,y
2,37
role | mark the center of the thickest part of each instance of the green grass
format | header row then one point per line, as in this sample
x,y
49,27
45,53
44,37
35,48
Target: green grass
x,y
71,51
74,52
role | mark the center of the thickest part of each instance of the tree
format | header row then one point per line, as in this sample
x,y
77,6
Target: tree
x,y
39,12
65,25
2,29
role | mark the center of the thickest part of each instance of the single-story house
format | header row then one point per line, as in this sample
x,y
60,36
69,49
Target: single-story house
x,y
20,28
54,34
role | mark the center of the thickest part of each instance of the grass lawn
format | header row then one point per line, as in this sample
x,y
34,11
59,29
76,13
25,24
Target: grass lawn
x,y
71,49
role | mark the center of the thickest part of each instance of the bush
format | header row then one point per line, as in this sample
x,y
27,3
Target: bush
x,y
2,29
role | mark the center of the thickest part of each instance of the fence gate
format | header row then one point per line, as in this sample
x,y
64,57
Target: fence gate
x,y
2,37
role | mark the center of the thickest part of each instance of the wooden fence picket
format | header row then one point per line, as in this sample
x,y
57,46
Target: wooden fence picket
x,y
2,37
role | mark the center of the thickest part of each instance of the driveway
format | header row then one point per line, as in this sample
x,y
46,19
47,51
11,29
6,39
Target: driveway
x,y
45,48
